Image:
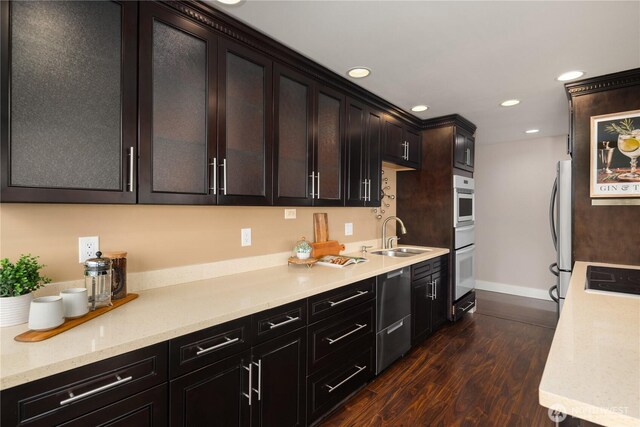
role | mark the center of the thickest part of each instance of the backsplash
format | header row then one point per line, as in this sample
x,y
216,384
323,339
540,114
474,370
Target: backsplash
x,y
160,237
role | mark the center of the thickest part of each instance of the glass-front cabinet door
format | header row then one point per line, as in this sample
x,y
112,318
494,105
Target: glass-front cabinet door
x,y
245,122
293,131
329,148
177,108
68,85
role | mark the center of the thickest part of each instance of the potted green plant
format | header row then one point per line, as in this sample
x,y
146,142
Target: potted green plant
x,y
17,282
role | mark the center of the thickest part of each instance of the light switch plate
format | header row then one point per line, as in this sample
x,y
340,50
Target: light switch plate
x,y
289,214
348,228
245,237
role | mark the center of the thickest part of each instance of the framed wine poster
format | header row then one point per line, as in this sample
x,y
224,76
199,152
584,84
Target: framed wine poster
x,y
615,148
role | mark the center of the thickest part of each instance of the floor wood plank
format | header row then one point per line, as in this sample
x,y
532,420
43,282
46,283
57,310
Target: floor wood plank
x,y
480,371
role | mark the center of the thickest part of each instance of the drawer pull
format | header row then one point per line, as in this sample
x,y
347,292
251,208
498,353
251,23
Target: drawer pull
x,y
395,327
360,369
331,341
73,398
332,303
468,306
289,320
217,346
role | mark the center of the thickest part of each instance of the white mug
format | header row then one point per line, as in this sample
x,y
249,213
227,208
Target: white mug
x,y
46,313
75,302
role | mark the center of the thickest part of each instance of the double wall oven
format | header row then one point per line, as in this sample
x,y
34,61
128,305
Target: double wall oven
x,y
464,264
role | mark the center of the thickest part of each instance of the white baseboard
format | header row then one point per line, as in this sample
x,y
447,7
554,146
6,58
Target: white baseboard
x,y
504,288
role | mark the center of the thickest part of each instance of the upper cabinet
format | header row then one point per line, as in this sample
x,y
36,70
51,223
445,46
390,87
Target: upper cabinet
x,y
245,120
463,149
309,141
402,144
178,65
68,101
364,161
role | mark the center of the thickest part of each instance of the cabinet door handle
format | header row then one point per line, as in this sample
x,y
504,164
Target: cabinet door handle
x,y
353,331
214,176
369,196
406,156
73,398
360,369
259,390
332,303
318,193
364,182
313,184
228,341
131,165
224,176
248,395
289,320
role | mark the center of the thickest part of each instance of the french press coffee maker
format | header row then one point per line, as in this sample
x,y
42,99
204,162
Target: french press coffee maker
x,y
97,280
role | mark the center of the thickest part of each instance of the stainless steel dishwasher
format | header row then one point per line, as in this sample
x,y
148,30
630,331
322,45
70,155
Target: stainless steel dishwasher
x,y
393,317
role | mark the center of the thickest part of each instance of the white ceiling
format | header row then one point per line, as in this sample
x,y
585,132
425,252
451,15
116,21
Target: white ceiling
x,y
461,57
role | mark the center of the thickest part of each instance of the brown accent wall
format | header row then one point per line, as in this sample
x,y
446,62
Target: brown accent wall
x,y
601,233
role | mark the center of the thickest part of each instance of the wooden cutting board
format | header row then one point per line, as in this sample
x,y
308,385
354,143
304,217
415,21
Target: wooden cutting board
x,y
320,227
331,247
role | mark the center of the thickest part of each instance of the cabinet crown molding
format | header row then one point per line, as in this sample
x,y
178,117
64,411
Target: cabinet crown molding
x,y
602,83
450,120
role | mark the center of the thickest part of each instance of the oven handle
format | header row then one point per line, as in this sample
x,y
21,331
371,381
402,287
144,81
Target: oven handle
x,y
467,227
468,249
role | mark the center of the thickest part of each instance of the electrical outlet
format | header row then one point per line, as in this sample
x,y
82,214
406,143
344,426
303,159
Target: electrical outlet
x,y
289,214
348,229
245,237
87,247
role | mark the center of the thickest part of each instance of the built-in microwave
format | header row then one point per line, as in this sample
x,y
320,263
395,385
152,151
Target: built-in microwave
x,y
463,201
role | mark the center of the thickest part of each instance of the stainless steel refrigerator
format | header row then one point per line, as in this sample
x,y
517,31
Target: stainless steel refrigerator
x,y
560,221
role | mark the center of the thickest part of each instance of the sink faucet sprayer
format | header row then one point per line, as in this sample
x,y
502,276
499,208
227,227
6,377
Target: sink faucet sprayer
x,y
388,243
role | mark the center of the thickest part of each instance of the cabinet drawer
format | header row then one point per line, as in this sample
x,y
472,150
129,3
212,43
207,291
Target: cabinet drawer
x,y
336,300
421,270
278,321
209,345
328,388
440,263
67,395
146,409
335,336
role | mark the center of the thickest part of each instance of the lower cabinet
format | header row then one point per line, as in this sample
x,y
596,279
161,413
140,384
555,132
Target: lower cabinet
x,y
429,280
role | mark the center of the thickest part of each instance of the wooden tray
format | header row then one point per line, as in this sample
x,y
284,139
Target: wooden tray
x,y
35,336
331,247
308,262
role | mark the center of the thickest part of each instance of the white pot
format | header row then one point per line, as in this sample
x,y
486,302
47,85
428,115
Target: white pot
x,y
303,255
15,310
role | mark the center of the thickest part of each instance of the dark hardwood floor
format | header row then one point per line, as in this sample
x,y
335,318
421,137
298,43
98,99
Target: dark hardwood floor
x,y
480,371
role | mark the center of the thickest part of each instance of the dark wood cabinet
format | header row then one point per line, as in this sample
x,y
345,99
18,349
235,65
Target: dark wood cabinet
x,y
463,150
293,137
217,394
327,176
402,144
428,297
178,66
84,393
363,155
245,126
279,381
73,141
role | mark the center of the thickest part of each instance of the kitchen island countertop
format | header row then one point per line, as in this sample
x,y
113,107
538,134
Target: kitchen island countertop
x,y
172,311
593,368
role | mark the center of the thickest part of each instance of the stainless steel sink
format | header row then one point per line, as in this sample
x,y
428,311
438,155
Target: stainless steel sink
x,y
400,252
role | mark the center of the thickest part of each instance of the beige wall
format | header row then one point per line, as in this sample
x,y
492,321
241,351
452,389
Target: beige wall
x,y
513,187
158,237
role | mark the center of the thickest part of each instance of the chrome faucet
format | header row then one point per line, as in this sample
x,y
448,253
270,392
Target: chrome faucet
x,y
388,243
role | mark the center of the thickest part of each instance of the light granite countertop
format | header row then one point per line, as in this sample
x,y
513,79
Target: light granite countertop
x,y
168,312
593,368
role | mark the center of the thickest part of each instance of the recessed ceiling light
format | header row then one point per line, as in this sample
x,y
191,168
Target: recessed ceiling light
x,y
359,72
229,1
419,108
570,75
510,102
532,131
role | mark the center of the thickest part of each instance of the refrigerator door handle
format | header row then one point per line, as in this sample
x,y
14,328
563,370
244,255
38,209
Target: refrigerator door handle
x,y
552,216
